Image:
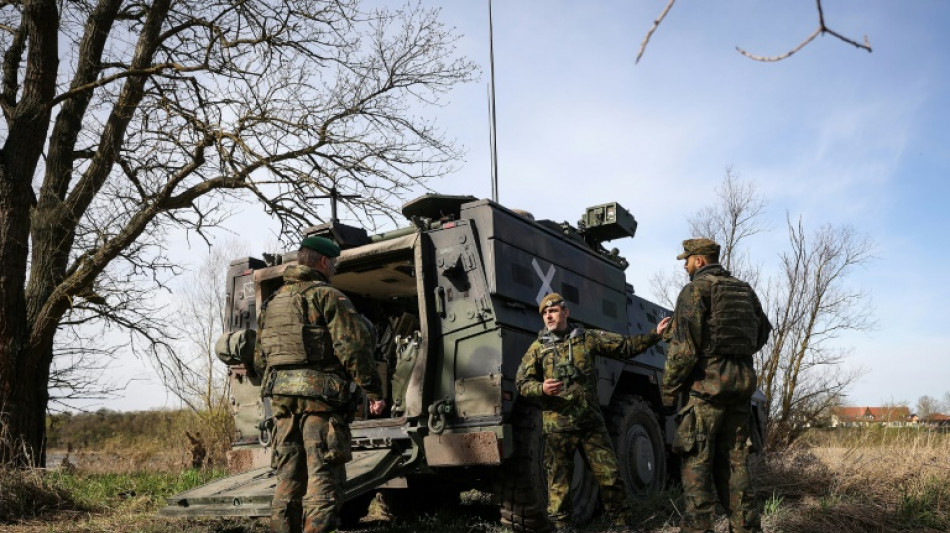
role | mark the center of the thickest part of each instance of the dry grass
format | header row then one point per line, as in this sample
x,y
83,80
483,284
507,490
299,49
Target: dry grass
x,y
150,440
29,493
872,479
835,482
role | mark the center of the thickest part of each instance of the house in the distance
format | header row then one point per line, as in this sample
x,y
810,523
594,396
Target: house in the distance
x,y
936,420
872,416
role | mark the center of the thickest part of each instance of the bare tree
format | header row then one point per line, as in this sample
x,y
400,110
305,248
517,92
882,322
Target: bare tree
x,y
126,121
735,216
192,372
927,406
665,285
811,304
809,301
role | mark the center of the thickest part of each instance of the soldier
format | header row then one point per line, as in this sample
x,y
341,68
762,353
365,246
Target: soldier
x,y
558,371
718,325
313,350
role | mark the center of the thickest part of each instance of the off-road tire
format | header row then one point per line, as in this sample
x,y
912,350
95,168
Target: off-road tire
x,y
520,486
638,440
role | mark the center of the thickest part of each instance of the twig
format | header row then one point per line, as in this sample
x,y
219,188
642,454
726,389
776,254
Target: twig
x,y
822,29
656,24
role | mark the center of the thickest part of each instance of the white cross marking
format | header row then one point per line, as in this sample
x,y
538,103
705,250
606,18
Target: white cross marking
x,y
545,280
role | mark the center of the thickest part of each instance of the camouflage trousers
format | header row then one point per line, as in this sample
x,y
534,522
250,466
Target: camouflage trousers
x,y
598,452
310,451
713,443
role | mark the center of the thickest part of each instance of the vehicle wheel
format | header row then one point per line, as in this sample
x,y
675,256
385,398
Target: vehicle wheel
x,y
520,486
354,510
638,439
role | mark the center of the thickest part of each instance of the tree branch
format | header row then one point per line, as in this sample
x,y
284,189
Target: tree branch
x,y
822,29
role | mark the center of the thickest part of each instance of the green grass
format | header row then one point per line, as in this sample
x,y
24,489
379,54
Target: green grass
x,y
773,505
926,506
145,489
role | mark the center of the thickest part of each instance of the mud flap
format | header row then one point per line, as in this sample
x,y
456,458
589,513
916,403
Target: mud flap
x,y
250,493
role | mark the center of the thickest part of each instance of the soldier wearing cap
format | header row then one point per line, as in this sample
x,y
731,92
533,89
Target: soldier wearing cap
x,y
315,352
558,371
718,325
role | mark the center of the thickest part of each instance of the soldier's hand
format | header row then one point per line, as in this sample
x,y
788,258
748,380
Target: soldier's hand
x,y
376,407
552,387
665,323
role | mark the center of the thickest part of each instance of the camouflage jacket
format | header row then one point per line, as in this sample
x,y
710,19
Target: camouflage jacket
x,y
350,335
715,377
553,355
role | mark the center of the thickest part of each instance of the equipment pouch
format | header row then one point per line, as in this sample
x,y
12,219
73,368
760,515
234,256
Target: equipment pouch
x,y
684,441
339,442
236,347
336,391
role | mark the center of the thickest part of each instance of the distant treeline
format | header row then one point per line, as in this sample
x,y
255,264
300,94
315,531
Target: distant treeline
x,y
105,428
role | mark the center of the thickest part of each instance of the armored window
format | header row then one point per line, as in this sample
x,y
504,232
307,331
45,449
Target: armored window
x,y
570,292
521,275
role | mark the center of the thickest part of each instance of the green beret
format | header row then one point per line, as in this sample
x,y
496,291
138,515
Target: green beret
x,y
321,245
549,300
698,247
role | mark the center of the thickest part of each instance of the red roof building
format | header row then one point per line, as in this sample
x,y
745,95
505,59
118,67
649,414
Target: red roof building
x,y
866,416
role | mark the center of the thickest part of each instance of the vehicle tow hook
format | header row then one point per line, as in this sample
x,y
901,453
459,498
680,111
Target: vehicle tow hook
x,y
438,413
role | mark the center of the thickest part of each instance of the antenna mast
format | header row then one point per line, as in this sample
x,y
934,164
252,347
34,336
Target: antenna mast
x,y
493,133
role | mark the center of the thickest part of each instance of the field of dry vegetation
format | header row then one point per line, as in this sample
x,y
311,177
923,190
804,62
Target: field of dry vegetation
x,y
833,481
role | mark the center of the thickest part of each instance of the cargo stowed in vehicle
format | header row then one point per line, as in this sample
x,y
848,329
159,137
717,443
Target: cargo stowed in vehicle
x,y
453,299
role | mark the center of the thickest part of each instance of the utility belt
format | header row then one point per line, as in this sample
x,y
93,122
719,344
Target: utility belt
x,y
337,392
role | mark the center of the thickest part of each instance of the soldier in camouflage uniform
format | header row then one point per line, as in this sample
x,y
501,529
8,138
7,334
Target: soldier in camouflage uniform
x,y
558,371
718,325
313,348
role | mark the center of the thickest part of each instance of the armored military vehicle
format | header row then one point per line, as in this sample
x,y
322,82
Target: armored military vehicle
x,y
453,298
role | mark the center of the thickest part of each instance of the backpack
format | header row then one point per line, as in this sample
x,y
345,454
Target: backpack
x,y
733,320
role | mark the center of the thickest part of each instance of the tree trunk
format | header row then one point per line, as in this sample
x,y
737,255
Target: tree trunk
x,y
24,442
24,370
23,373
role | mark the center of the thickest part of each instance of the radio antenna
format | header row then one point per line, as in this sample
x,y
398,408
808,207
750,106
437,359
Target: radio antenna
x,y
493,135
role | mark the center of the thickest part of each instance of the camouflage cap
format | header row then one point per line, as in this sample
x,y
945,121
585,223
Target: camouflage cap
x,y
549,300
698,247
321,245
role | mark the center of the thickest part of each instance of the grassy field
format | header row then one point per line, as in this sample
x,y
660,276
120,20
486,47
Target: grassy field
x,y
834,481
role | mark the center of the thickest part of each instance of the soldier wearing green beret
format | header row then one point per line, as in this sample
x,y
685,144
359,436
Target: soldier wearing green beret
x,y
315,352
558,371
718,325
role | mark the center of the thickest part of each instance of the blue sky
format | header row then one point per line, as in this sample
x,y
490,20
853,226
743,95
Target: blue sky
x,y
833,134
